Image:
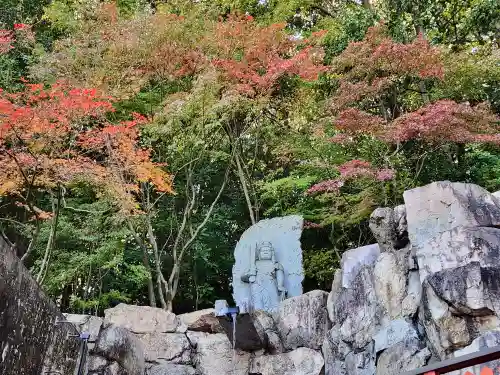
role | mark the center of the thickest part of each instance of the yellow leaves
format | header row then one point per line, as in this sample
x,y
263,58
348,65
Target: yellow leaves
x,y
7,187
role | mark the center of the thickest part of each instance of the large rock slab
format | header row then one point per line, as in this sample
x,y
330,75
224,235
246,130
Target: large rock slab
x,y
357,310
303,320
470,289
442,206
142,319
115,369
395,332
96,364
334,353
215,356
202,320
86,323
458,247
301,361
170,369
118,344
355,259
256,285
248,337
402,357
361,362
194,336
392,287
334,294
446,329
166,347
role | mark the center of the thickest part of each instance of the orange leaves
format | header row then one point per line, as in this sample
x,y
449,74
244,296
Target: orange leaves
x,y
43,144
255,58
370,67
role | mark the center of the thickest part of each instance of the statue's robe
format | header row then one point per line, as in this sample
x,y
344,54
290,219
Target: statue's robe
x,y
264,293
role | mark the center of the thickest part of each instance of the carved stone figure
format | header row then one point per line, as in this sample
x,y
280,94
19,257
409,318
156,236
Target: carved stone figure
x,y
266,278
268,264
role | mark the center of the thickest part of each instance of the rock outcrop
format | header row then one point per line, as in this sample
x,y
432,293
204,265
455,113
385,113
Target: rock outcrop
x,y
427,291
303,320
117,344
142,319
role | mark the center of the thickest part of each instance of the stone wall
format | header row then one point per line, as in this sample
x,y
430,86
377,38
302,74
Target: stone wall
x,y
30,342
138,340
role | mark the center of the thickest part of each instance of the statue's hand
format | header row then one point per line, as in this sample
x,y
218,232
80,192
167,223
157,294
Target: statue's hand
x,y
252,279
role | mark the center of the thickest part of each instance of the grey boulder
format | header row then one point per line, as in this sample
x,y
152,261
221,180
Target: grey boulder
x,y
118,344
303,320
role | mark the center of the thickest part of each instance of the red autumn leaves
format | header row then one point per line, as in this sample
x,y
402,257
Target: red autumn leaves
x,y
56,135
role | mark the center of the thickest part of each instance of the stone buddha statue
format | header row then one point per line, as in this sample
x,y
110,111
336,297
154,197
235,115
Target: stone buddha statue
x,y
266,278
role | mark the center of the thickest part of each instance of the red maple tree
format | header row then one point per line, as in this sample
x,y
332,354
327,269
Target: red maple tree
x,y
50,137
255,58
375,75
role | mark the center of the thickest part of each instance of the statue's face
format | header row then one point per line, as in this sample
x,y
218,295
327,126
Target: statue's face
x,y
266,253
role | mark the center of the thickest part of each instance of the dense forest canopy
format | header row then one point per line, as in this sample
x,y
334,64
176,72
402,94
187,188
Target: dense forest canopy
x,y
139,139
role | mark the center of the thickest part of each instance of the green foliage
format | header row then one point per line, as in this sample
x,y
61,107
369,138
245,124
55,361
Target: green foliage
x,y
350,25
472,77
26,11
199,122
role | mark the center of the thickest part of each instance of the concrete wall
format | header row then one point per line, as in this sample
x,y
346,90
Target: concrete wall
x,y
30,341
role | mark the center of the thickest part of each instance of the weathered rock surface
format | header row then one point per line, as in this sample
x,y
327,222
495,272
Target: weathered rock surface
x,y
170,369
202,320
96,364
469,290
86,323
395,332
115,369
194,336
166,347
303,320
142,319
357,310
404,356
267,329
389,227
118,344
441,206
446,329
214,356
355,259
30,341
301,361
391,284
458,247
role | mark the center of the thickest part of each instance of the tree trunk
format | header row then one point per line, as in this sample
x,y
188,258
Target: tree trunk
x,y
50,242
173,281
145,262
151,289
241,176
